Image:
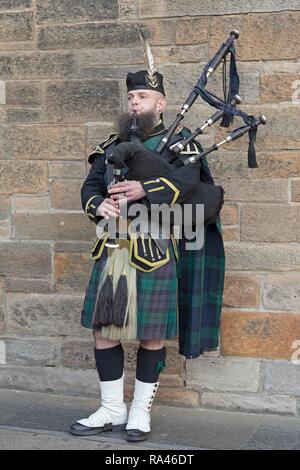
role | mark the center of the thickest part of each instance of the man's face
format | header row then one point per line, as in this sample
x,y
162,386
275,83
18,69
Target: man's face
x,y
142,101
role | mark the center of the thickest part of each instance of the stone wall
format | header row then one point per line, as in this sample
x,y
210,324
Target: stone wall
x,y
62,69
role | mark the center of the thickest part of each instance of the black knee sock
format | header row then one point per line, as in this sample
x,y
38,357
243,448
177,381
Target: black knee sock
x,y
149,364
110,363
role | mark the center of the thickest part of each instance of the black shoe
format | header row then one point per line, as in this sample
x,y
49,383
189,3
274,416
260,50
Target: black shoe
x,y
137,435
78,429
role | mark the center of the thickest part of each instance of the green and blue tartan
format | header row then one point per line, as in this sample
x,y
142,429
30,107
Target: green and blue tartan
x,y
156,300
200,290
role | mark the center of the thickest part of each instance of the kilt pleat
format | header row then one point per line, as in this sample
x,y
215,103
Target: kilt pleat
x,y
157,311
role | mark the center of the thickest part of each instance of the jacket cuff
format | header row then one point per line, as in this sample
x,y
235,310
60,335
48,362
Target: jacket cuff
x,y
92,206
161,190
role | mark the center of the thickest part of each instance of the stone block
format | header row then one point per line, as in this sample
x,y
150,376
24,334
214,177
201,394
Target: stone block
x,y
171,396
231,234
2,289
67,11
2,92
282,291
5,232
23,177
277,87
262,257
192,30
175,53
171,8
269,29
207,373
16,26
31,203
112,72
171,381
281,377
72,247
98,132
92,59
31,352
298,407
67,169
2,319
272,164
179,80
95,35
2,115
53,226
230,214
241,290
44,142
24,115
2,308
58,380
72,271
23,93
128,9
36,64
27,286
79,354
65,194
108,56
254,190
5,208
25,260
12,4
268,223
259,334
82,100
281,131
49,315
256,402
295,190
2,350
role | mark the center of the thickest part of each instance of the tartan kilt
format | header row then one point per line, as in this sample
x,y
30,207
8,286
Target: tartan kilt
x,y
200,292
157,311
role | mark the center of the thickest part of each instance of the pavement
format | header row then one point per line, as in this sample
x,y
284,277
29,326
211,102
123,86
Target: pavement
x,y
40,421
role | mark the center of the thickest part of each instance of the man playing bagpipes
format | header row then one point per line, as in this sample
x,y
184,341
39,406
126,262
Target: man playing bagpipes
x,y
142,288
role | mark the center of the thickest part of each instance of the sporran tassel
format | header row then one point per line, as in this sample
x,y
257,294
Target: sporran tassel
x,y
127,329
103,312
120,302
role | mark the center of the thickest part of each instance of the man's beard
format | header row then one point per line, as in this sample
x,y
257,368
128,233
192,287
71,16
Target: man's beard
x,y
145,124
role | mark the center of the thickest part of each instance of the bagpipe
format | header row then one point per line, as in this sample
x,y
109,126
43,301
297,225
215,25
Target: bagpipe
x,y
143,164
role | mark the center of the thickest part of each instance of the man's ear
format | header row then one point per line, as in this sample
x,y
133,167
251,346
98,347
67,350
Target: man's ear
x,y
161,105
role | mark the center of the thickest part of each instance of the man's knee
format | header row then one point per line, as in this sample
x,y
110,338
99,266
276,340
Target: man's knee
x,y
103,343
152,344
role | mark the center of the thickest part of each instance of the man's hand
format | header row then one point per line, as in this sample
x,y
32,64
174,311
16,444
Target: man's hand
x,y
108,208
131,190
